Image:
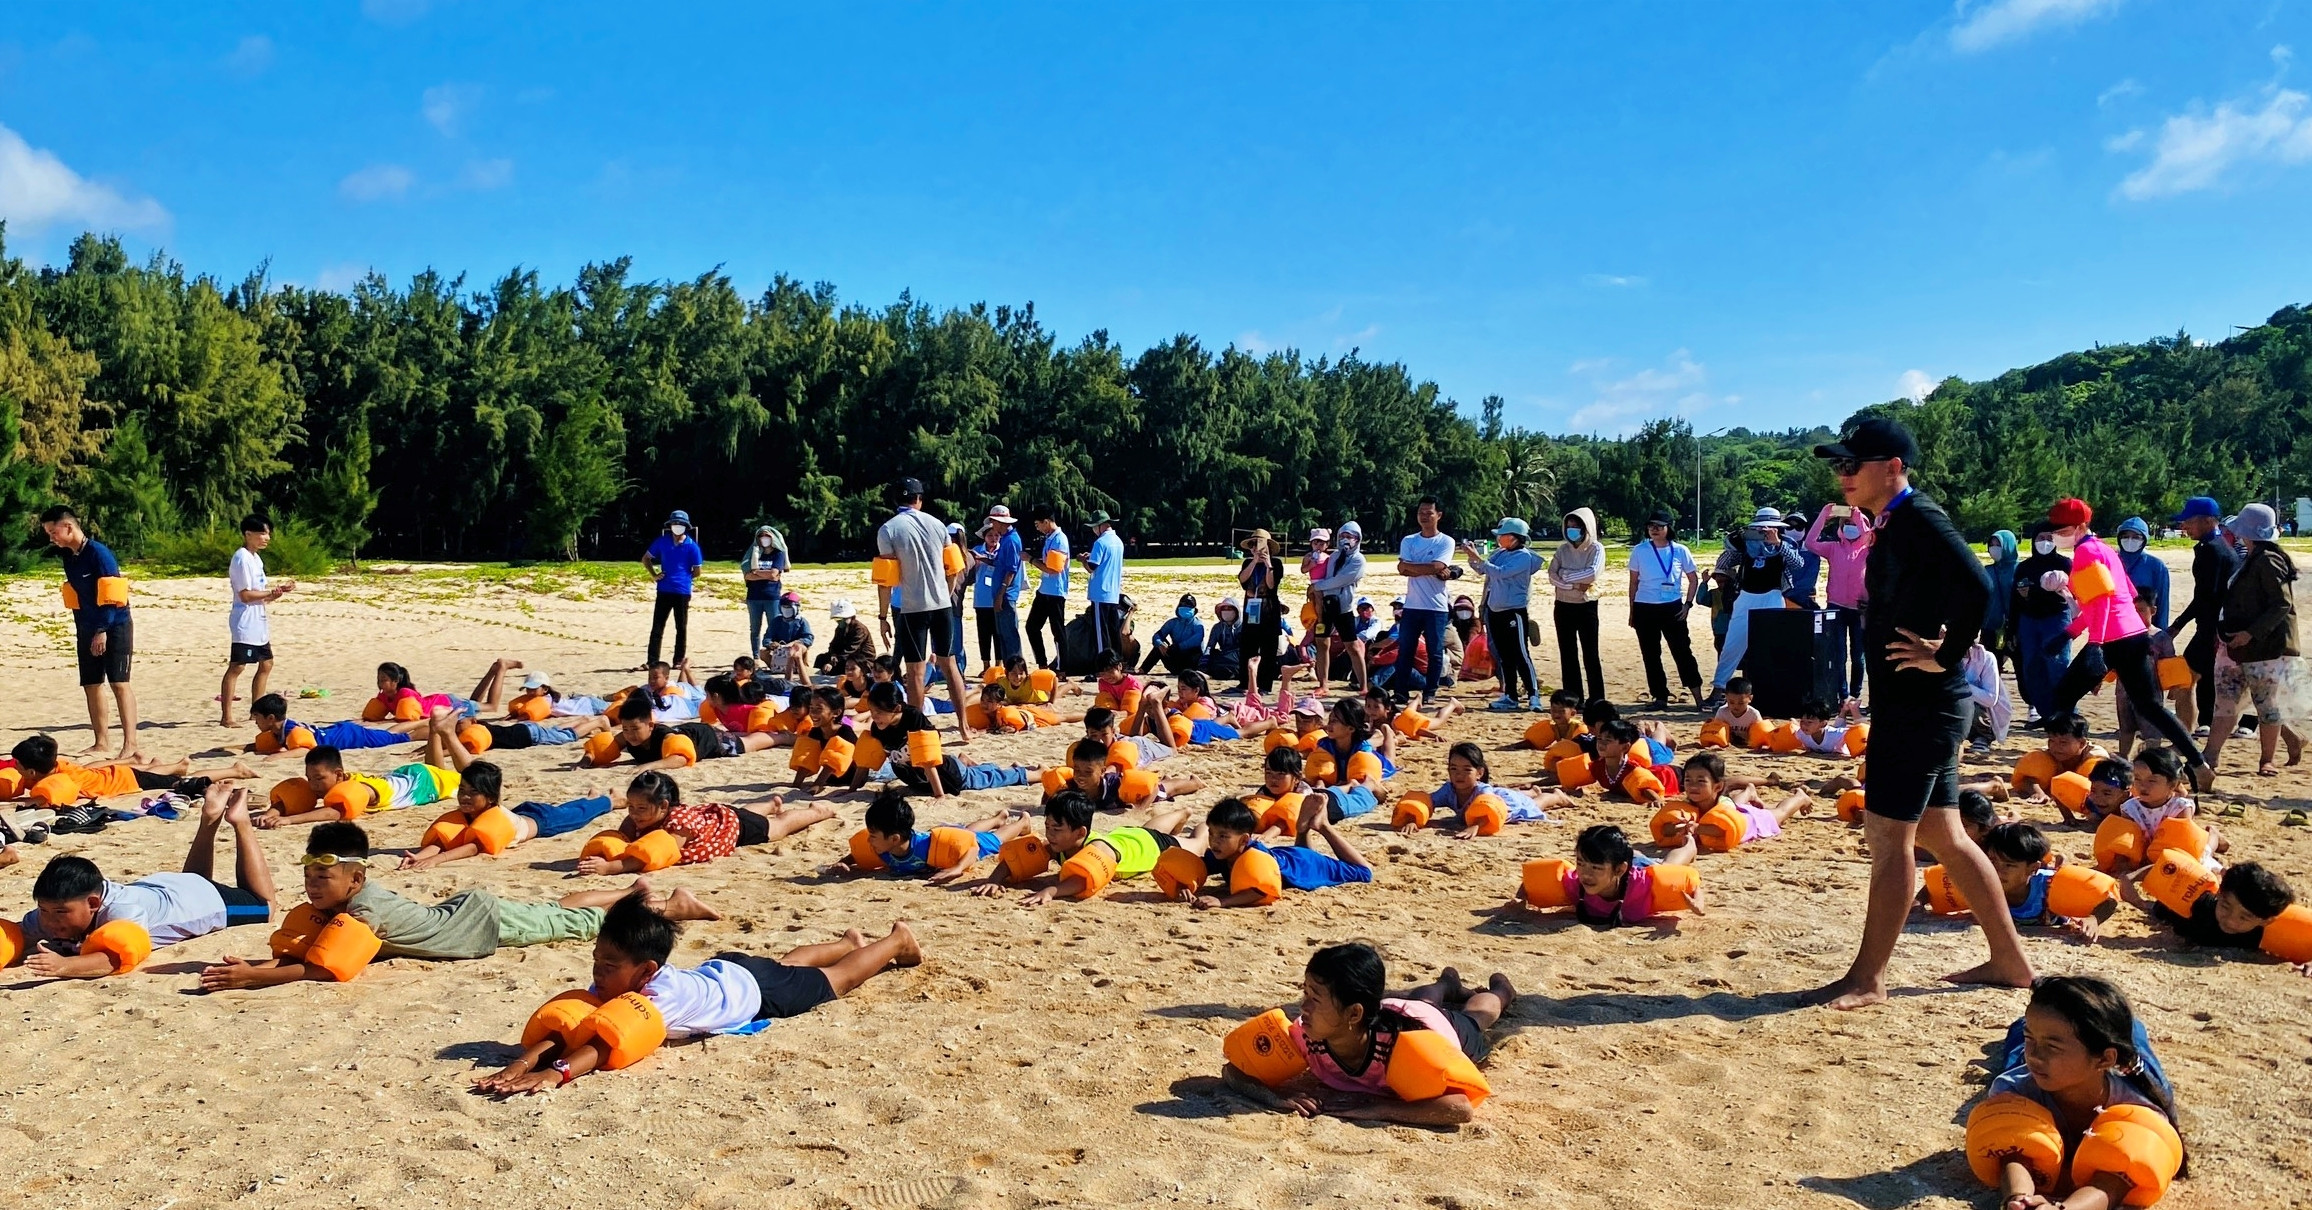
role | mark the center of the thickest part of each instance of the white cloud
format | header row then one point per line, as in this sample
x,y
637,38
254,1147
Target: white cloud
x,y
2196,150
37,190
2125,142
1679,387
446,106
252,56
487,174
2125,88
2002,21
341,277
1589,365
1617,280
1356,339
377,183
1254,343
1916,385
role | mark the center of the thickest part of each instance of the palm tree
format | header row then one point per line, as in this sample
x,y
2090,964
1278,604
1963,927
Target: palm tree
x,y
1530,489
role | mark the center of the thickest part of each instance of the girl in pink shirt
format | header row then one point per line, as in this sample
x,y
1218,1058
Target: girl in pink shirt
x,y
1844,552
2118,638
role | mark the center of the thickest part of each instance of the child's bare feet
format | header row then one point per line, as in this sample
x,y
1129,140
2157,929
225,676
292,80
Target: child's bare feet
x,y
236,806
1805,800
240,772
854,938
910,953
682,905
213,802
9,856
776,804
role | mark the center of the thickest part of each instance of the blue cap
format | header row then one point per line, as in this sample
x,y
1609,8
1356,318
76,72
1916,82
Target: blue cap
x,y
2200,506
678,517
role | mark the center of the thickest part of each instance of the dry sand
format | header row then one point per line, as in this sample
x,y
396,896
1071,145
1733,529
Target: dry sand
x,y
1061,1056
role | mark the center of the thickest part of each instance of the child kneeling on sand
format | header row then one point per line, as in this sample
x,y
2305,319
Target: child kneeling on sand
x,y
347,923
638,1001
1400,1059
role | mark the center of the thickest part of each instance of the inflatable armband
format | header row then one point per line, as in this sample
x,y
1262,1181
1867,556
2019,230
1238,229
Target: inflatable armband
x,y
1486,813
1721,829
1666,821
2078,892
2134,1142
2178,880
1263,1049
1179,871
344,947
124,941
1025,857
1095,865
2006,1129
1544,885
603,749
628,1027
1425,1065
1412,809
1675,887
863,854
293,796
1256,870
923,749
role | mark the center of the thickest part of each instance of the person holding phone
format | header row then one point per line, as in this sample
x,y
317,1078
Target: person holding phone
x,y
1837,538
1261,577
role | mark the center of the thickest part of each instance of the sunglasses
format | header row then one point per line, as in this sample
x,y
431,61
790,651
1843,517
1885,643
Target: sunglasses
x,y
326,860
1844,467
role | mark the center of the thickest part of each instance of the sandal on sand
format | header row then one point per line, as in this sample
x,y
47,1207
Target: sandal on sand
x,y
2232,810
2267,769
2295,819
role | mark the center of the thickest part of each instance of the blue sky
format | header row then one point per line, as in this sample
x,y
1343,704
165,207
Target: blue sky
x,y
1761,214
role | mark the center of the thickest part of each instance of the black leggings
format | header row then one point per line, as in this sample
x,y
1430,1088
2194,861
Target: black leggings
x,y
1512,660
2130,660
1577,649
1051,609
677,604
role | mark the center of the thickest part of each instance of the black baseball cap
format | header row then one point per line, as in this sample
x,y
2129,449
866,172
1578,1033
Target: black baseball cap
x,y
1663,516
909,489
1874,439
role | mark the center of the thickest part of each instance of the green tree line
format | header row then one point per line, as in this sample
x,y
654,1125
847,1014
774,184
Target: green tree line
x,y
523,420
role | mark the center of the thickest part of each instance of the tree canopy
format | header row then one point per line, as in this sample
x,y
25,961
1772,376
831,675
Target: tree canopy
x,y
517,419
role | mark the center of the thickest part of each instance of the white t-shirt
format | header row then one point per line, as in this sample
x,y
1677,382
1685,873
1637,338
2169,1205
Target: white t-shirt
x,y
168,907
248,575
1662,572
713,997
1425,592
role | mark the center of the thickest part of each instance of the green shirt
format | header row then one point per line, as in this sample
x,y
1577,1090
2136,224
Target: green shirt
x,y
465,925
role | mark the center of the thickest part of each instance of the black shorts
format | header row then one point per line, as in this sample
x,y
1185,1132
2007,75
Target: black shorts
x,y
788,991
113,665
242,906
1335,623
155,781
923,635
1164,840
509,736
753,828
251,653
1916,765
1472,1039
730,745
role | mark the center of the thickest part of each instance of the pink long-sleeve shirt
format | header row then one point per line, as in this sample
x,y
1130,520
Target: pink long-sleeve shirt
x,y
2111,616
1844,560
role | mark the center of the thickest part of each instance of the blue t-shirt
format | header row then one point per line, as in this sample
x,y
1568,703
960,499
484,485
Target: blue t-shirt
x,y
678,559
1181,632
757,590
82,569
1105,585
918,859
1309,870
1053,584
983,579
349,735
1008,562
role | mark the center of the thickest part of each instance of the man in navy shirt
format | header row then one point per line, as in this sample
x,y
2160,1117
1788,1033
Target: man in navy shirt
x,y
1002,564
97,594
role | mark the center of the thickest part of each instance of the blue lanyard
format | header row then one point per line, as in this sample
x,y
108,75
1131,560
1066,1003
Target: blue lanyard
x,y
1896,503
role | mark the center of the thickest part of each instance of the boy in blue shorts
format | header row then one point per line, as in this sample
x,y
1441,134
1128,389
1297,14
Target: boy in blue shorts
x,y
1257,875
890,842
277,732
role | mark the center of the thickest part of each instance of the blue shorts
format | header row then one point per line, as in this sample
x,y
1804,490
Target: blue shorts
x,y
1205,731
1348,802
242,906
554,819
541,733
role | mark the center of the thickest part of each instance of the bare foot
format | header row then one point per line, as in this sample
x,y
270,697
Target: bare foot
x,y
9,856
236,806
1805,801
241,772
682,905
99,748
909,953
1994,975
1846,994
776,805
133,755
1500,986
213,803
854,938
641,886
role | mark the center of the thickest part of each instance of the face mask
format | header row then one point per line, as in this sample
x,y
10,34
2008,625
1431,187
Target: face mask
x,y
1465,614
2043,546
787,610
1573,533
1184,613
2131,545
1760,548
765,543
678,530
1849,532
1227,618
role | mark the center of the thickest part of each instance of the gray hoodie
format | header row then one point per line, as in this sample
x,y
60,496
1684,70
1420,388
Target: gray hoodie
x,y
1577,568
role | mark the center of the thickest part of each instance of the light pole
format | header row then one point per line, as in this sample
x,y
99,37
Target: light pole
x,y
1698,437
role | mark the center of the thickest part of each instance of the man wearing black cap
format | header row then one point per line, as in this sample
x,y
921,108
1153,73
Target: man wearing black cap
x,y
1663,578
918,541
1926,593
2214,563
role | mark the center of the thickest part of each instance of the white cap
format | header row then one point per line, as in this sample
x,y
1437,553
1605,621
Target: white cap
x,y
841,607
537,680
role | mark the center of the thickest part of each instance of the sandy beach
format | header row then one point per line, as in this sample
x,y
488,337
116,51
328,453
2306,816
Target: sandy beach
x,y
1063,1056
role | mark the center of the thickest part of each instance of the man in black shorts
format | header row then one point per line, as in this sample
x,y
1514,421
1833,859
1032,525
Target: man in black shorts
x,y
918,542
96,592
1927,594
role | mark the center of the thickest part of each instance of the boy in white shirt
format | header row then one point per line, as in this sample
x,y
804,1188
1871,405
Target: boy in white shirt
x,y
85,926
729,994
252,631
